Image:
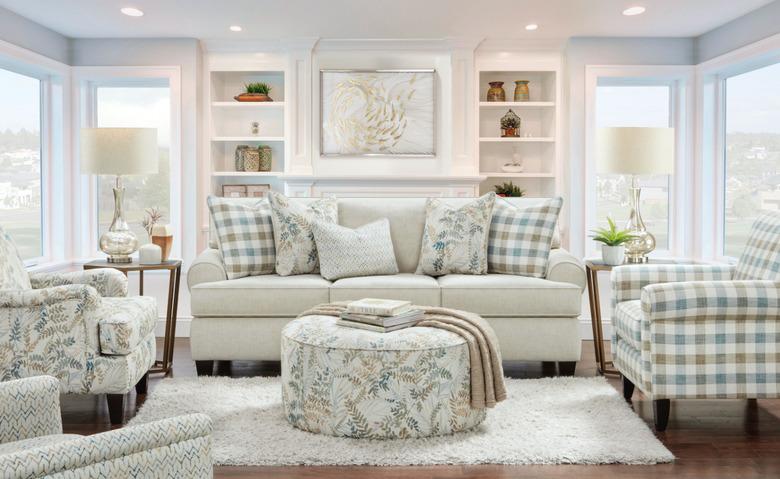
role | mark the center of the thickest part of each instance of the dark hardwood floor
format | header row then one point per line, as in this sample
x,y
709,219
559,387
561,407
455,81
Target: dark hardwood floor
x,y
711,439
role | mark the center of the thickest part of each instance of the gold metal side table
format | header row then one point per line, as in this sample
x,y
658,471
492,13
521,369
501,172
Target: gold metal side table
x,y
165,364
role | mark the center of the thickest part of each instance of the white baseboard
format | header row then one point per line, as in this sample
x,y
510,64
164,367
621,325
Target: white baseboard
x,y
183,328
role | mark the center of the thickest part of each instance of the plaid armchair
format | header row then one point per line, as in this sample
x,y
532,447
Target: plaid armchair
x,y
32,444
701,331
79,327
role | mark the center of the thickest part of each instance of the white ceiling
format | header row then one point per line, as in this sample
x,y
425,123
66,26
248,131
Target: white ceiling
x,y
283,19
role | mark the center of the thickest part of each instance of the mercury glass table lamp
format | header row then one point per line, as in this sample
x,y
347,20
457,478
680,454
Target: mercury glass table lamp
x,y
636,151
119,151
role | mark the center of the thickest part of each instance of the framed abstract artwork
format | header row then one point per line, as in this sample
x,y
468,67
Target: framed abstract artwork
x,y
377,113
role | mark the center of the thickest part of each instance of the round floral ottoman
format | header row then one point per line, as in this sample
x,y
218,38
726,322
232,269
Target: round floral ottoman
x,y
350,382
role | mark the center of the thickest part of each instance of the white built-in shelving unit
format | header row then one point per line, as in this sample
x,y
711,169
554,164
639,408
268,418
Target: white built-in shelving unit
x,y
538,143
230,122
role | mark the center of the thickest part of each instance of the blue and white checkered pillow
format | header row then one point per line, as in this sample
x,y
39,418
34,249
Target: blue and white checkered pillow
x,y
520,239
761,258
245,236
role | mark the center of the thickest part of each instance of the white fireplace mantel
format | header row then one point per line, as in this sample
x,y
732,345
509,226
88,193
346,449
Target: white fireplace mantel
x,y
382,186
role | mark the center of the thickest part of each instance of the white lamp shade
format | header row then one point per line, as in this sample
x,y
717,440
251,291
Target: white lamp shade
x,y
119,151
635,151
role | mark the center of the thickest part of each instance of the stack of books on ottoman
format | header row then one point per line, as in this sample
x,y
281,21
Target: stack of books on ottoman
x,y
380,315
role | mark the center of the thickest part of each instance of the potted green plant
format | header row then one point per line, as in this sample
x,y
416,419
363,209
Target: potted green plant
x,y
510,124
509,189
613,240
257,91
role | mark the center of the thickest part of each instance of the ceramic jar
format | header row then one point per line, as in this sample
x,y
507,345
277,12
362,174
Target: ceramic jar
x,y
613,255
521,90
150,254
496,91
162,236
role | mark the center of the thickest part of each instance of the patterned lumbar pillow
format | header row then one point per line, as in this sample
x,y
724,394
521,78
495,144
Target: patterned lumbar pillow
x,y
520,238
345,253
455,239
245,236
296,251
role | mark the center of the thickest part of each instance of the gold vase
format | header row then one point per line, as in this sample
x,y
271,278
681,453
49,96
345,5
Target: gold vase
x,y
521,90
496,91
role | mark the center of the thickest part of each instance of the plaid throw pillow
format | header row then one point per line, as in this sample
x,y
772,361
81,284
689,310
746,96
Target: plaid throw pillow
x,y
245,236
761,257
520,239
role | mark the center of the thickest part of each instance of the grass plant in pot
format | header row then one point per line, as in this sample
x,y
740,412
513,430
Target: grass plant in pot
x,y
509,190
613,243
255,92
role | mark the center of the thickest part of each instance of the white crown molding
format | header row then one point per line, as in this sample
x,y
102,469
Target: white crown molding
x,y
241,46
396,44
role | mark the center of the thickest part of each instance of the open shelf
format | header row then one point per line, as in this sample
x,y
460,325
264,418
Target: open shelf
x,y
249,138
520,139
502,174
271,174
517,104
248,104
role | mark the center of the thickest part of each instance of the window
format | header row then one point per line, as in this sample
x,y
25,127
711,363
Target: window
x,y
20,162
147,106
637,106
752,152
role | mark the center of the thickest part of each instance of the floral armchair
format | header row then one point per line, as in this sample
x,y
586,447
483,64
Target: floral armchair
x,y
32,444
701,331
79,327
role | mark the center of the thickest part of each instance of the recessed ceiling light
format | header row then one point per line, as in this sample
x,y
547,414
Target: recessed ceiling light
x,y
235,28
631,11
531,27
132,12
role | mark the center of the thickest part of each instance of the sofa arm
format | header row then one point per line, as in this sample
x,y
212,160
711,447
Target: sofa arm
x,y
628,280
20,298
175,447
29,407
754,300
564,267
206,268
108,282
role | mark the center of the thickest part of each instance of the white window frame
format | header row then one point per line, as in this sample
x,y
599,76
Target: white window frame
x,y
54,80
86,80
680,80
711,122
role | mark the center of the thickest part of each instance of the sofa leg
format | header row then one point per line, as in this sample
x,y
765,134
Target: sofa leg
x,y
661,409
116,407
628,389
566,368
204,368
143,384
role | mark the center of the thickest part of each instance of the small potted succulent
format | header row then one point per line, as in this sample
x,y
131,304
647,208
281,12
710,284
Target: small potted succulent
x,y
613,240
510,124
509,190
255,92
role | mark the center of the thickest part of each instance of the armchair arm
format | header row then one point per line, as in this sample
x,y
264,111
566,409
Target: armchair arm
x,y
754,300
29,407
564,267
175,447
628,281
108,282
206,268
27,298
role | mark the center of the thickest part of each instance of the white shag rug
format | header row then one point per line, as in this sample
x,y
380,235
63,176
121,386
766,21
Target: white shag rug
x,y
565,420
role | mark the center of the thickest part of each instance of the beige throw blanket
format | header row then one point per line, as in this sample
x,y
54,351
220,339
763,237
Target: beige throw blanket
x,y
487,373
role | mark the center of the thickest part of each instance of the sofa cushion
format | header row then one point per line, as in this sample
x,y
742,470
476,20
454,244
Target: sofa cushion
x,y
34,442
266,295
296,252
418,289
628,322
125,322
245,236
346,252
520,239
455,239
502,295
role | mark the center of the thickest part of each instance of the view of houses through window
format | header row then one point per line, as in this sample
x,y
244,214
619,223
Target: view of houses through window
x,y
20,162
752,179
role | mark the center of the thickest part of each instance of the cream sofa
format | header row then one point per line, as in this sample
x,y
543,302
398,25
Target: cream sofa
x,y
241,319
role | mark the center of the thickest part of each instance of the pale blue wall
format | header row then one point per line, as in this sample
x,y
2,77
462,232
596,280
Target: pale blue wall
x,y
747,29
32,36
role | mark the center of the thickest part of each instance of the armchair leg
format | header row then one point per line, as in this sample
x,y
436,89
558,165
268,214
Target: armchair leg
x,y
566,368
628,389
143,384
204,368
116,407
661,413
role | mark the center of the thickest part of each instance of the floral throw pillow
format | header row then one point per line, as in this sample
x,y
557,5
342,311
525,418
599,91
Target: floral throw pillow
x,y
455,239
296,251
